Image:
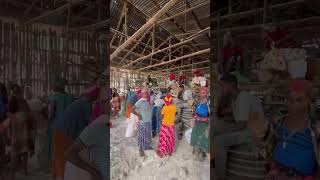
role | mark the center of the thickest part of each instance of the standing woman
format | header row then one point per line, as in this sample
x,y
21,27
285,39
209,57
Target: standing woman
x,y
296,152
167,135
58,102
199,136
143,110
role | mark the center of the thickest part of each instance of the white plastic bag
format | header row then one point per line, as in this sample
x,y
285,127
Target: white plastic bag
x,y
130,129
187,135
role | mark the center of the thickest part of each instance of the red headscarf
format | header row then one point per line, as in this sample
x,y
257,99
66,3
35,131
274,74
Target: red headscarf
x,y
168,99
91,90
301,86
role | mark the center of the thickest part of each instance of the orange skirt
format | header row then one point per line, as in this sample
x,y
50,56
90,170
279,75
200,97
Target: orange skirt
x,y
128,110
60,143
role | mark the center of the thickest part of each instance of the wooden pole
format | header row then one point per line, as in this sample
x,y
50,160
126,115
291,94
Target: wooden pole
x,y
297,21
170,47
57,10
265,10
125,25
205,51
149,23
254,11
230,6
218,41
184,12
182,66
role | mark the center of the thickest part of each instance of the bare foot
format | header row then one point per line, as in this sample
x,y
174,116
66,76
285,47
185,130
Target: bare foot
x,y
141,153
158,153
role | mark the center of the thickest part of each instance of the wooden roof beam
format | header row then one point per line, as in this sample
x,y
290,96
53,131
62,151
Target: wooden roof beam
x,y
255,11
149,23
48,13
205,51
196,35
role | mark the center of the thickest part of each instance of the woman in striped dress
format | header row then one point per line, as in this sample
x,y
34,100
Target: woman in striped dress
x,y
143,110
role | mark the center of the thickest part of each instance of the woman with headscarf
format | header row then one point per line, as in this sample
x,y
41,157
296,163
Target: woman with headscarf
x,y
58,102
296,152
67,128
167,136
199,136
143,110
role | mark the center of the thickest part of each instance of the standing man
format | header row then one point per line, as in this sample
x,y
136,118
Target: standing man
x,y
249,123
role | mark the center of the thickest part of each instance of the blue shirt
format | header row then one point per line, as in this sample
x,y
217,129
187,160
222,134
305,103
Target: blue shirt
x,y
295,150
144,109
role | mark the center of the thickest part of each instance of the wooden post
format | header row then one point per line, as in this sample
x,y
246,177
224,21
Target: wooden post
x,y
125,25
149,23
265,10
218,40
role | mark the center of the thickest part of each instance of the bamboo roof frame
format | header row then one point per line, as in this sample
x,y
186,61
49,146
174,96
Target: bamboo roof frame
x,y
176,44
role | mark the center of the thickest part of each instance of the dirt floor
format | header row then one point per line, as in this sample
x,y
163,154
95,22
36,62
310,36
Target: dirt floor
x,y
126,163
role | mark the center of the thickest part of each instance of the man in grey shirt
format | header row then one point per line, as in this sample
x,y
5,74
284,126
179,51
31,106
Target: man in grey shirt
x,y
248,123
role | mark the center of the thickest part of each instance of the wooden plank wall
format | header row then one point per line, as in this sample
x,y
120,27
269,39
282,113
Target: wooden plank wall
x,y
31,56
120,79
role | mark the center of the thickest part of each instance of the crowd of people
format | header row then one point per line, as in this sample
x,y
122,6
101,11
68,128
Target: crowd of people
x,y
64,133
152,112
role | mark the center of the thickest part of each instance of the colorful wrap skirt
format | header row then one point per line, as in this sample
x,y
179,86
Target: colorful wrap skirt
x,y
144,135
166,140
198,137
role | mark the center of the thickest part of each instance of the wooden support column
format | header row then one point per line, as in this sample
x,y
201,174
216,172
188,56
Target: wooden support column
x,y
219,40
153,38
230,6
131,50
149,23
265,10
125,25
118,26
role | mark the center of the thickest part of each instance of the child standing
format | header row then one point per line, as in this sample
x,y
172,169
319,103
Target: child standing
x,y
166,137
143,110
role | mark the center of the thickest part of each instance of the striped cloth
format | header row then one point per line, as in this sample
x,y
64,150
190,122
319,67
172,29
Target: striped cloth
x,y
166,140
144,135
